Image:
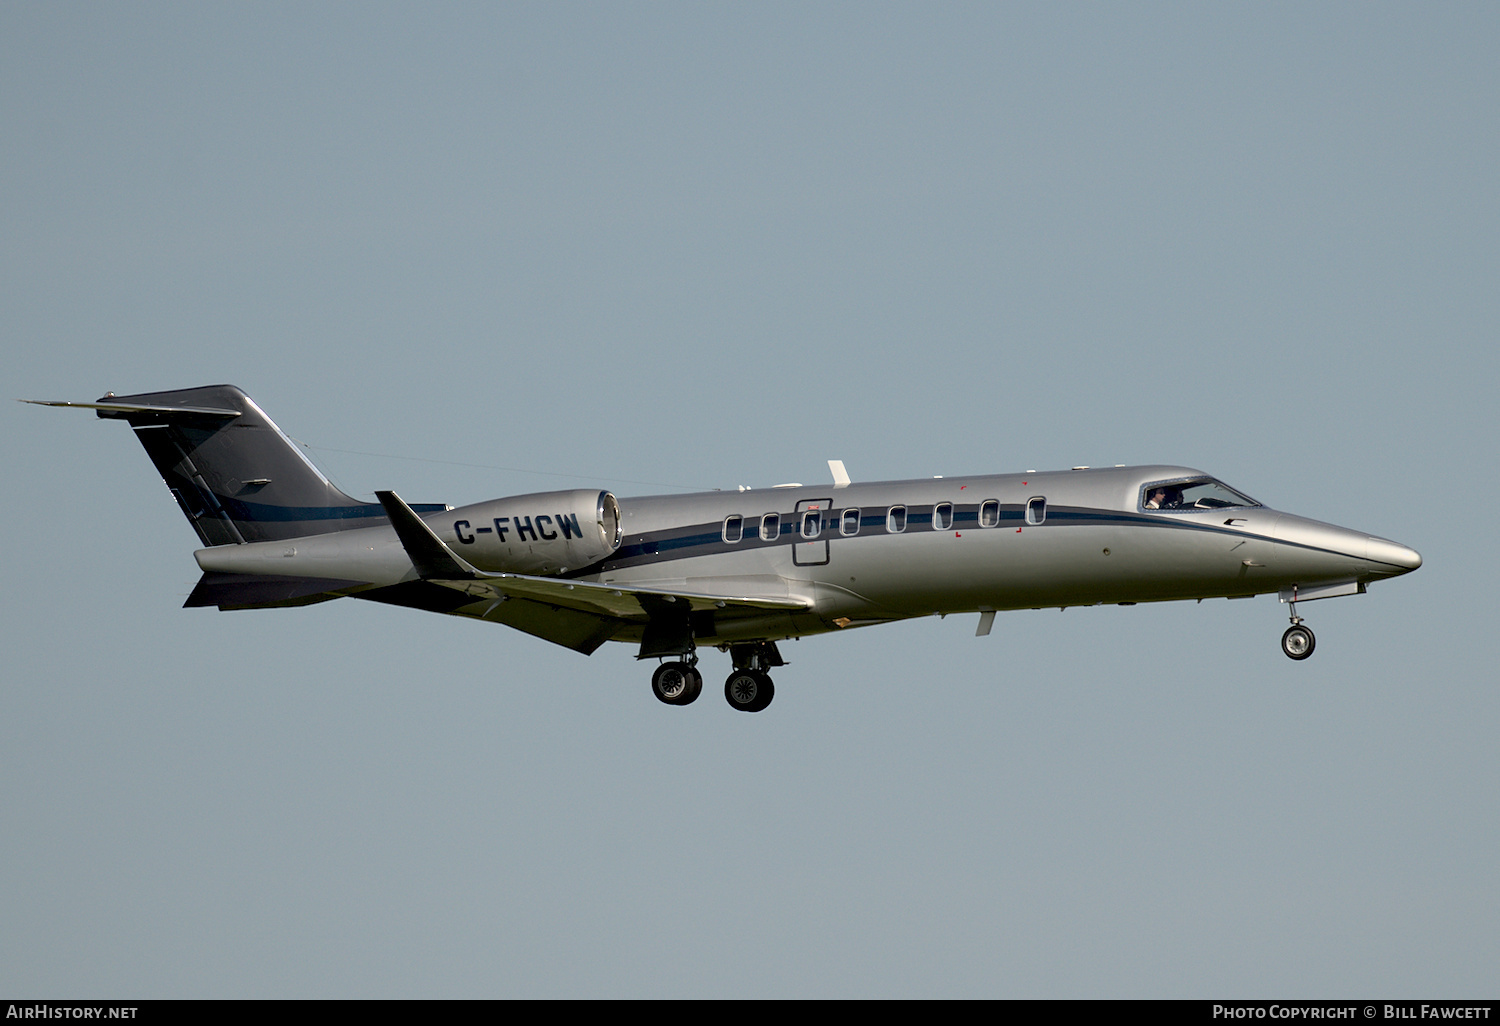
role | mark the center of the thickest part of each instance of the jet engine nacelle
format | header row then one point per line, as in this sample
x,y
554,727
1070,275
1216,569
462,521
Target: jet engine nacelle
x,y
544,533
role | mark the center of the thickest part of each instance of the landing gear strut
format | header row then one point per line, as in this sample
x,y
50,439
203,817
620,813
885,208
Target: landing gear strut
x,y
1298,641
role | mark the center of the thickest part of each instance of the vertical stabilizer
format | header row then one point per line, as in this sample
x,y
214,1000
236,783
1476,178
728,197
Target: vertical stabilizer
x,y
235,475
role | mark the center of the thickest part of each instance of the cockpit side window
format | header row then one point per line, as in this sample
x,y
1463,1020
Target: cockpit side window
x,y
1192,494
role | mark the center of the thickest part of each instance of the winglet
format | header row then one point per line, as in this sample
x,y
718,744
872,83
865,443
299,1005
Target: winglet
x,y
840,475
433,559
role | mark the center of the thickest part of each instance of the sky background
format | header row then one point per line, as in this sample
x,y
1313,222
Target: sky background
x,y
653,247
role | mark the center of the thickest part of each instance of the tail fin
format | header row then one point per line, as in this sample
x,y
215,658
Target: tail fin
x,y
235,475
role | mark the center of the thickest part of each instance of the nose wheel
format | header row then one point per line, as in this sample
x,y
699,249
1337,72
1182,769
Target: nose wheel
x,y
1298,642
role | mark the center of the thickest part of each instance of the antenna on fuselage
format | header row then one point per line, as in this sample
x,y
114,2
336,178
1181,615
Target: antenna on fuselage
x,y
840,475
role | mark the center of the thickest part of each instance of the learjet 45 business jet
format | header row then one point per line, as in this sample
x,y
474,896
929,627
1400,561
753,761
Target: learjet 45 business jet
x,y
736,570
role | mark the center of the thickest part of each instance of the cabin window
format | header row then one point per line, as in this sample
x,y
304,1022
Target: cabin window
x,y
734,528
849,522
895,520
1036,510
770,527
812,523
1199,494
989,513
942,516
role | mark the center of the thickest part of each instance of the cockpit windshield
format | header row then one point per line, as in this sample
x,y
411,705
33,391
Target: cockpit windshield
x,y
1199,493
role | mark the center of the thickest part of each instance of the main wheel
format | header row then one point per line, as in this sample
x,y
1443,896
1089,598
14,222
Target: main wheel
x,y
749,690
673,683
695,687
1298,642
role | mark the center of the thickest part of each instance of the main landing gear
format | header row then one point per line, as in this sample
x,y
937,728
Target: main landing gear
x,y
677,683
1298,641
748,688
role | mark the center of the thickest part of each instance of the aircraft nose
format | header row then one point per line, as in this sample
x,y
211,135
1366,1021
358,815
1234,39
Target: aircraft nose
x,y
1382,550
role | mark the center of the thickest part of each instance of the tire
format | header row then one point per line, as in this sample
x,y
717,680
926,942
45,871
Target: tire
x,y
748,690
1298,642
695,688
768,692
672,681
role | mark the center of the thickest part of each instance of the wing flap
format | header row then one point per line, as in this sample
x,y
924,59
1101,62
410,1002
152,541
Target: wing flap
x,y
571,628
620,601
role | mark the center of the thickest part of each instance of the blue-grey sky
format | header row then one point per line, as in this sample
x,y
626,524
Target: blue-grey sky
x,y
703,245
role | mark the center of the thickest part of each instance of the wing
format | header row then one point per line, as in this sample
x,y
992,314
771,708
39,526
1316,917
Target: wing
x,y
580,615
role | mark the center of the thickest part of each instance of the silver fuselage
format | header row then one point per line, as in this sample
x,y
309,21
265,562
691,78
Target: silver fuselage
x,y
967,545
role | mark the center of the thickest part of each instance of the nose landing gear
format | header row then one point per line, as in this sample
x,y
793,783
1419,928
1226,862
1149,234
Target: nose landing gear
x,y
1298,642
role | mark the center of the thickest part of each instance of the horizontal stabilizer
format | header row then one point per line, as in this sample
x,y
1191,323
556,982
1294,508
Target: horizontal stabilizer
x,y
262,591
107,408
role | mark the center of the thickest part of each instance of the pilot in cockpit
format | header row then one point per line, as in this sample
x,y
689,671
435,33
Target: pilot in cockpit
x,y
1164,498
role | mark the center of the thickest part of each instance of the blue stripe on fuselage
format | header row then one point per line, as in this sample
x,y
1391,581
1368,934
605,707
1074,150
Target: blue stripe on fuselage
x,y
707,539
257,512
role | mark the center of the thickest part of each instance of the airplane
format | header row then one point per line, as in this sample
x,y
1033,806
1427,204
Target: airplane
x,y
736,570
